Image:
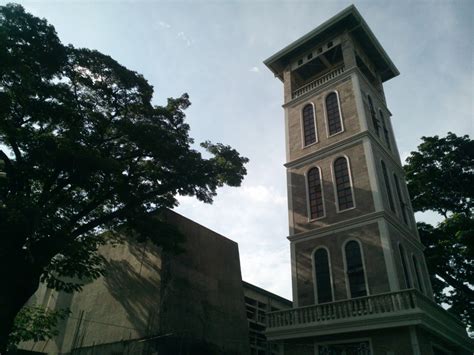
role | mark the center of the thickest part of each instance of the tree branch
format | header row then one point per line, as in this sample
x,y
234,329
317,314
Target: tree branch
x,y
5,158
458,285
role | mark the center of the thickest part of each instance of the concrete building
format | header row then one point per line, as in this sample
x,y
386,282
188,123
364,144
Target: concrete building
x,y
151,302
258,302
359,277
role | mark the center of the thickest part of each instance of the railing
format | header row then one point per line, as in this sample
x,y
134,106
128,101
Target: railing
x,y
388,304
318,82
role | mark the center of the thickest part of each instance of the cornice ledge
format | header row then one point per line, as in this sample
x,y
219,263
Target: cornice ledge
x,y
407,234
353,222
328,150
387,153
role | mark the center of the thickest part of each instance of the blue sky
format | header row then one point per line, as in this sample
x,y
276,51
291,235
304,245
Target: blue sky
x,y
214,50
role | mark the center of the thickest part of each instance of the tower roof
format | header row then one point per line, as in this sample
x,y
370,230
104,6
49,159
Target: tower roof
x,y
348,19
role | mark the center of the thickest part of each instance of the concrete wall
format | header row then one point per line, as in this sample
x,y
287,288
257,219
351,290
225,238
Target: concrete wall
x,y
163,300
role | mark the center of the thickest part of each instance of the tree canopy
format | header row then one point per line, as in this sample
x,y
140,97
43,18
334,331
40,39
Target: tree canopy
x,y
440,175
83,149
440,178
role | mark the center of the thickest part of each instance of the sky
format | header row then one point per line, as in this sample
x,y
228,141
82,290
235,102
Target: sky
x,y
214,50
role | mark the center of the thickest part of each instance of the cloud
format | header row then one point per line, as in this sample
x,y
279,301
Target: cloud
x,y
262,194
254,70
164,24
184,38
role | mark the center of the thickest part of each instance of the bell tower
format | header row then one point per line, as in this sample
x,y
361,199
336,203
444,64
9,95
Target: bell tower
x,y
353,239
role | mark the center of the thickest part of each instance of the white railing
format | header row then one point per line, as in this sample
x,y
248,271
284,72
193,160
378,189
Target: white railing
x,y
387,303
318,82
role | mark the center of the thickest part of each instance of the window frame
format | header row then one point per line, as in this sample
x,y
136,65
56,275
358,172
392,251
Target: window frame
x,y
333,176
408,277
385,129
373,115
401,200
346,276
315,280
302,125
326,119
308,202
419,277
388,186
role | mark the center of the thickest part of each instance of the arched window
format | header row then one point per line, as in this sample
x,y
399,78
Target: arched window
x,y
387,186
355,270
333,114
323,276
315,194
417,273
403,206
385,129
309,128
404,266
375,121
343,184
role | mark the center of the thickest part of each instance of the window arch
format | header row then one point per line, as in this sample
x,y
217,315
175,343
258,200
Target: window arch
x,y
309,126
417,273
385,129
355,269
333,114
375,121
343,183
322,273
387,186
315,194
402,203
404,265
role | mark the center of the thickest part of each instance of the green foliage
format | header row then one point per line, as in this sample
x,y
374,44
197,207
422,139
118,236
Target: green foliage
x,y
441,174
440,178
450,257
83,150
36,324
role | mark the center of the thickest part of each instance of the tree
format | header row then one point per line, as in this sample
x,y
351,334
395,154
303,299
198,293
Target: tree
x,y
440,178
35,323
84,150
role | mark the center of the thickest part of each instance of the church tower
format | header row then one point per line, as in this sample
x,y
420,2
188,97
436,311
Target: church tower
x,y
359,277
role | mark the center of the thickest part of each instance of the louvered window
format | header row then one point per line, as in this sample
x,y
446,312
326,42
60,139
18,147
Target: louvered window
x,y
387,187
418,275
375,121
403,206
333,114
385,129
315,192
323,276
404,266
309,128
355,270
343,184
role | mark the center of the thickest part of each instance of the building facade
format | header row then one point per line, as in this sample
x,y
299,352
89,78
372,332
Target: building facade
x,y
259,302
152,302
359,277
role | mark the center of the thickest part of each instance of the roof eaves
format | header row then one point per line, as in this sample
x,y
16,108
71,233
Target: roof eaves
x,y
325,25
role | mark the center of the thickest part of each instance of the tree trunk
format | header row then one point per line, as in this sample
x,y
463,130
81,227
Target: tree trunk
x,y
20,281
